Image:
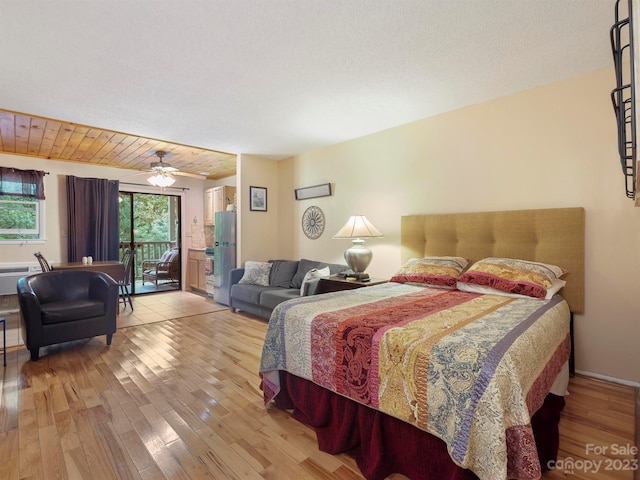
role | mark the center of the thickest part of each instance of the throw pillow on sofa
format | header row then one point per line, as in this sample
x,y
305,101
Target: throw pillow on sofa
x,y
304,266
311,275
256,273
282,272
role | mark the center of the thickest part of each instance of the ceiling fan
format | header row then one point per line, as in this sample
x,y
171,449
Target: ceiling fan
x,y
163,171
163,174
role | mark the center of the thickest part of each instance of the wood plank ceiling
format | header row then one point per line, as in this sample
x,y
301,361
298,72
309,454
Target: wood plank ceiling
x,y
33,136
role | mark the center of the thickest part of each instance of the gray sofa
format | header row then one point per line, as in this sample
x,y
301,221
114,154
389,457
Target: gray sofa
x,y
285,281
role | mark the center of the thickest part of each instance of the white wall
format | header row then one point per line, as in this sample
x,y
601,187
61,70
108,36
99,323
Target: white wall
x,y
553,146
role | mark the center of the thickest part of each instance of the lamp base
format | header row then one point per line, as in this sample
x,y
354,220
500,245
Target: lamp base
x,y
361,277
358,257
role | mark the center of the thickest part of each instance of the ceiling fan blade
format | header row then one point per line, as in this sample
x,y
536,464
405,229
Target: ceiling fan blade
x,y
143,172
163,167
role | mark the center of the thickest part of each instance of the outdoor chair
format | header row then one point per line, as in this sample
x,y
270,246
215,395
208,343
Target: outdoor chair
x,y
166,268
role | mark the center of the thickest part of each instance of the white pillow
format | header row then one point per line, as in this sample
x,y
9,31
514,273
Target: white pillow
x,y
473,288
256,273
311,275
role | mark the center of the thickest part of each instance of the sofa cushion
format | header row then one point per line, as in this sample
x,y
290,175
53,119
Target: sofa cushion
x,y
68,311
304,266
282,272
247,293
272,297
334,268
256,273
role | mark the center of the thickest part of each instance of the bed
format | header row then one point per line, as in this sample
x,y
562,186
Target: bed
x,y
431,381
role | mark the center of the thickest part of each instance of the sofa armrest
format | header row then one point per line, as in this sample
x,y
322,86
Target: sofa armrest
x,y
235,274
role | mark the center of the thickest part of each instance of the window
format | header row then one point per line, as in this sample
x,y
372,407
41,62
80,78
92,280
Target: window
x,y
21,205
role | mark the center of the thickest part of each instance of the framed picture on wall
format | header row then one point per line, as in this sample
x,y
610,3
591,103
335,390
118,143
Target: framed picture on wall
x,y
258,199
323,190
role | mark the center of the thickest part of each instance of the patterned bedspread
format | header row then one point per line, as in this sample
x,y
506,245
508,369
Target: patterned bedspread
x,y
470,369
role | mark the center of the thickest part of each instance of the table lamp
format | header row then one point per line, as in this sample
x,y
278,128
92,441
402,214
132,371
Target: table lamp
x,y
358,257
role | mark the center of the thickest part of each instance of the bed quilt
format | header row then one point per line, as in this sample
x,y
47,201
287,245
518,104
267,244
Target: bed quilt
x,y
470,369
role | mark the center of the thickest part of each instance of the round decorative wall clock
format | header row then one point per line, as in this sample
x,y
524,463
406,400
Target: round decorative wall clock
x,y
313,222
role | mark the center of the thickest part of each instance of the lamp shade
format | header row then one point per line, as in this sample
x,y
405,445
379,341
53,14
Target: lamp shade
x,y
358,257
358,226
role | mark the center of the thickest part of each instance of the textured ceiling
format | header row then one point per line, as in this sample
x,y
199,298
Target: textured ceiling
x,y
281,77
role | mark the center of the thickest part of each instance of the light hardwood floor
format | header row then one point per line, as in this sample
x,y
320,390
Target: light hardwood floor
x,y
177,396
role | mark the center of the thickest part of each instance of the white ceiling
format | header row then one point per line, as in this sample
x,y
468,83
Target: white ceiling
x,y
280,77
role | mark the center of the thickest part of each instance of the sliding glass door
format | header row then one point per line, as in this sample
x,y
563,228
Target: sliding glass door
x,y
150,224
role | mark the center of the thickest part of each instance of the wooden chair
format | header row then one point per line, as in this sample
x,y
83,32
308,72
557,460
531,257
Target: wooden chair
x,y
44,265
127,260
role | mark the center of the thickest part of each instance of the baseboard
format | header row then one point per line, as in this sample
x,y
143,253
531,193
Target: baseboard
x,y
621,381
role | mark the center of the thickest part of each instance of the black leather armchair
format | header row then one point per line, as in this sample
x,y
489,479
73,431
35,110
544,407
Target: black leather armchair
x,y
64,305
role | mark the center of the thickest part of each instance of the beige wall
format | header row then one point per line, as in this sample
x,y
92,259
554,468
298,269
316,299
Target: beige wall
x,y
257,231
55,247
553,146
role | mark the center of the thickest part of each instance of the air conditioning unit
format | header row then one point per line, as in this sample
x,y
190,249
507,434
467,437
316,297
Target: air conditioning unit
x,y
11,272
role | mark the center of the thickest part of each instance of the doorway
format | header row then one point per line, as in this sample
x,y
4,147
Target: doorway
x,y
151,224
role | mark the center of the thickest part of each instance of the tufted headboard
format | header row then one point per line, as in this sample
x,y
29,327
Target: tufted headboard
x,y
554,235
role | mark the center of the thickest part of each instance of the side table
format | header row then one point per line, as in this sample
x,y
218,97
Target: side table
x,y
335,283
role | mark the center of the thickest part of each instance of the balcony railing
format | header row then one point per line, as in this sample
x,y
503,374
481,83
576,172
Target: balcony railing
x,y
146,251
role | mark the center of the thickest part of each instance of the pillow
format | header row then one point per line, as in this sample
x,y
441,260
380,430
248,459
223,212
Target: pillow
x,y
256,273
282,272
470,287
435,271
303,267
531,279
312,275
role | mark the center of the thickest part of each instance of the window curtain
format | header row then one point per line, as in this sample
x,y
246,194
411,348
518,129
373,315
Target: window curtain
x,y
93,218
22,183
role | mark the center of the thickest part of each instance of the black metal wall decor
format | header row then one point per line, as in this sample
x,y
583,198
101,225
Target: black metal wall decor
x,y
322,190
623,96
313,222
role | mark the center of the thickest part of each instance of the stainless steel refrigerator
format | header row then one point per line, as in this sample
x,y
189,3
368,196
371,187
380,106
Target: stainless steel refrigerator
x,y
224,254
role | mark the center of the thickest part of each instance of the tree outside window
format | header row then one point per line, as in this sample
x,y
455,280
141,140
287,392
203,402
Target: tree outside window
x,y
21,201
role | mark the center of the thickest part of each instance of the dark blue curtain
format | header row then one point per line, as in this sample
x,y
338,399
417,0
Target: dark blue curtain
x,y
92,214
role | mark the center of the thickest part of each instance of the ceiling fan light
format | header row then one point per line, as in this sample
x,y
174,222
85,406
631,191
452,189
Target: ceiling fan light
x,y
161,180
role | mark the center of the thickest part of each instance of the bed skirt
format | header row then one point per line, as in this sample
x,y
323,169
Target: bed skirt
x,y
381,444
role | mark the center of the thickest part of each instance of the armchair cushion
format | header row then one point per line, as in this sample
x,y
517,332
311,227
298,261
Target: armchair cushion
x,y
55,312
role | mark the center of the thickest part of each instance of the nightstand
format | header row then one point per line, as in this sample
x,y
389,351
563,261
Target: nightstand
x,y
338,284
